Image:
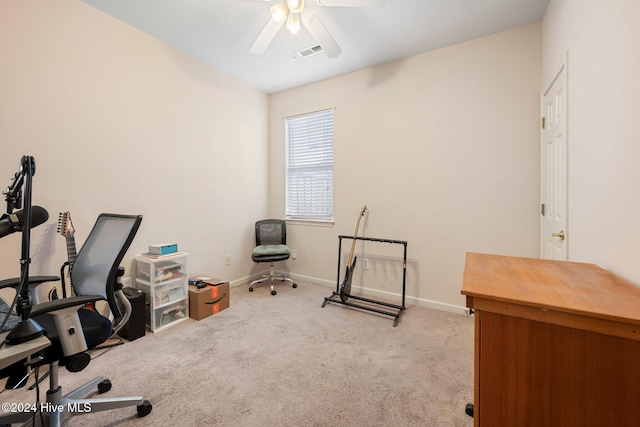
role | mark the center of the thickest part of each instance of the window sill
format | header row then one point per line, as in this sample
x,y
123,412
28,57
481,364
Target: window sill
x,y
312,222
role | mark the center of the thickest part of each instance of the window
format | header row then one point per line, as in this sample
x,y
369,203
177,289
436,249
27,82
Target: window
x,y
309,166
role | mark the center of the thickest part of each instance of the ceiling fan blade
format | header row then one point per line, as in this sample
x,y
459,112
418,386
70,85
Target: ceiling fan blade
x,y
351,3
265,37
320,33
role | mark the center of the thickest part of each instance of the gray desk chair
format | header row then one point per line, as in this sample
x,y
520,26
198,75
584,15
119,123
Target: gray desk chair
x,y
95,276
271,246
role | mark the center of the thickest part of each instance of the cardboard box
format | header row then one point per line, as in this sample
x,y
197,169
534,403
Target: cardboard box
x,y
209,300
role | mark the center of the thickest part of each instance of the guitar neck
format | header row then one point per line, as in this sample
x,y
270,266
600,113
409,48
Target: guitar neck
x,y
353,243
71,247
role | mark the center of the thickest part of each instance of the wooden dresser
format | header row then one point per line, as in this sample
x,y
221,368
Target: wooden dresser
x,y
556,343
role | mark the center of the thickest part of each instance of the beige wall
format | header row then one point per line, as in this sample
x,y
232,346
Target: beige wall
x,y
121,122
601,42
442,147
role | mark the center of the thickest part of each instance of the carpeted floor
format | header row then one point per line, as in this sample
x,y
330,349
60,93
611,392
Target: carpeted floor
x,y
285,361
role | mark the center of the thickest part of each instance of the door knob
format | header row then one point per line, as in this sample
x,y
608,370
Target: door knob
x,y
560,234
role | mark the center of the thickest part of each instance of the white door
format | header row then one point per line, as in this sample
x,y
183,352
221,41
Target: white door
x,y
553,207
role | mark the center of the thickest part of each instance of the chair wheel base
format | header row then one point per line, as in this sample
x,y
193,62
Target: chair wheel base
x,y
271,278
144,408
104,386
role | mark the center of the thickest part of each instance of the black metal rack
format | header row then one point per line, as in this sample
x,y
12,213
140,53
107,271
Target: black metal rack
x,y
398,310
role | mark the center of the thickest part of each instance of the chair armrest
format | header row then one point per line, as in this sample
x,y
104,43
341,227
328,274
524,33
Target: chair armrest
x,y
14,282
59,304
66,317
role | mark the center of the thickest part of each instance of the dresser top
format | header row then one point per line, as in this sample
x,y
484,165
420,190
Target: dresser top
x,y
561,286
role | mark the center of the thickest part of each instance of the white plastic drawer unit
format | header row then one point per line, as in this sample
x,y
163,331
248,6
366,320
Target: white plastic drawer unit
x,y
164,281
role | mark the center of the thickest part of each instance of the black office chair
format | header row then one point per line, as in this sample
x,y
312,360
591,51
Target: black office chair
x,y
271,246
95,276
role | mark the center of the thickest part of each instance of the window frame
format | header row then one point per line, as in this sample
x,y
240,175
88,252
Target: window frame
x,y
322,211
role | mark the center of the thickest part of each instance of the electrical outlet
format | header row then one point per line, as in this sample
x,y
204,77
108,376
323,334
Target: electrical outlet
x,y
294,253
227,260
365,263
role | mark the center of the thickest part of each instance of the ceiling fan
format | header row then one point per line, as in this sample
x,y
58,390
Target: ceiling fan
x,y
294,13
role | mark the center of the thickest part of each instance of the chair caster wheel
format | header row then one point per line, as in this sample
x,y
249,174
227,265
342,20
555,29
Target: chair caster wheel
x,y
144,409
273,292
104,386
250,288
468,409
295,285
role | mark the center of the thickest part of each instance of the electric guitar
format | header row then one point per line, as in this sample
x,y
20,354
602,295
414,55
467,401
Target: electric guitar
x,y
65,228
345,289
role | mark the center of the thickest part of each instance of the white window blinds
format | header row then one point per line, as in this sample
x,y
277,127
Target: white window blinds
x,y
309,180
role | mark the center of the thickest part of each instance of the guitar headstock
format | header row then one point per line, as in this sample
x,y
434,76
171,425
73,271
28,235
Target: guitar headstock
x,y
65,226
364,210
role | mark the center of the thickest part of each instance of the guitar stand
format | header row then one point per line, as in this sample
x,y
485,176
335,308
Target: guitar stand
x,y
397,311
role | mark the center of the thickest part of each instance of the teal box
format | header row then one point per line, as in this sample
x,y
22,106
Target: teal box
x,y
163,249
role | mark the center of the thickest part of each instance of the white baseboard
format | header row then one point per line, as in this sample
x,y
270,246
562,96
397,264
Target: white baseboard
x,y
247,279
387,296
374,293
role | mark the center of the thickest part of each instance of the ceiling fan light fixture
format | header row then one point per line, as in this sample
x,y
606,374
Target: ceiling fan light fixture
x,y
279,12
295,6
293,23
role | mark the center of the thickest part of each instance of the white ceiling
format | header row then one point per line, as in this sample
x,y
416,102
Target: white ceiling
x,y
220,32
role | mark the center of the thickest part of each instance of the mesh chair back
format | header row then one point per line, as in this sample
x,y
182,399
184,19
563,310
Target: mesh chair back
x,y
95,269
271,232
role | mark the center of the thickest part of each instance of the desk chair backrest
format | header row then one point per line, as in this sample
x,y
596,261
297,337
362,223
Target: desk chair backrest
x,y
95,269
271,232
